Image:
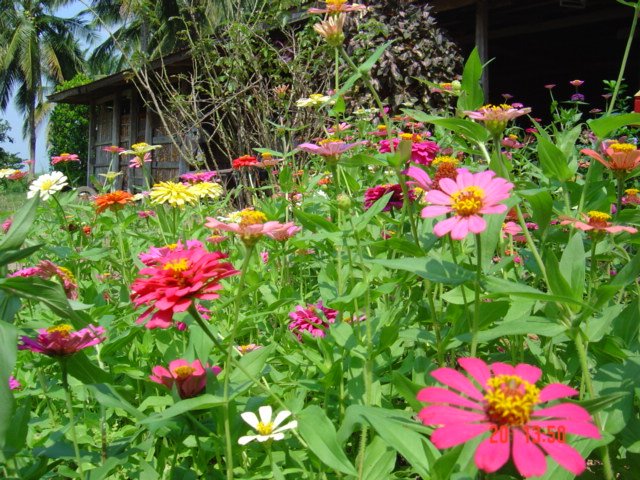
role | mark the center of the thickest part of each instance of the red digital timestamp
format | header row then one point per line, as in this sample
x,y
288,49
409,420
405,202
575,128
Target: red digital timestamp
x,y
533,434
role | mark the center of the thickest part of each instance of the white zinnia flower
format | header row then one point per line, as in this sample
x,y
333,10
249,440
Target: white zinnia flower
x,y
267,429
47,184
5,172
314,100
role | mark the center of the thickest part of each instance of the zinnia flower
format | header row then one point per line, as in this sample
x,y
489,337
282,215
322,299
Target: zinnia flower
x,y
330,149
62,341
250,347
174,282
14,384
250,225
46,270
210,190
173,193
576,83
157,254
372,195
307,319
197,177
113,149
6,225
332,29
314,100
621,158
64,158
47,184
597,222
267,429
189,378
630,198
334,7
245,161
505,401
422,152
112,201
496,117
470,195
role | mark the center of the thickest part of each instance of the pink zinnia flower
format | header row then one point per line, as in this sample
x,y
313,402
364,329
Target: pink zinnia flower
x,y
198,177
62,341
155,254
505,401
6,225
496,117
422,152
372,195
470,195
308,319
14,384
189,378
174,282
250,347
576,83
341,128
597,222
65,157
146,213
334,7
138,162
113,149
252,225
46,270
620,157
510,228
630,198
17,175
330,149
264,256
421,177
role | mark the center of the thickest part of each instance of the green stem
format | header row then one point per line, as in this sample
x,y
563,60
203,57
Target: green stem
x,y
594,268
72,423
476,309
407,208
625,58
620,192
584,365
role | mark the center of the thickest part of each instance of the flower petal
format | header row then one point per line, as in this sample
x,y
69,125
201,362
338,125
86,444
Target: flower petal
x,y
527,457
566,456
528,372
585,429
444,415
456,380
492,453
246,439
555,391
477,368
564,410
457,433
265,413
250,418
443,395
281,417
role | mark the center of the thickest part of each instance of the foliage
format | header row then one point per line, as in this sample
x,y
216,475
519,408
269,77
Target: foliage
x,y
7,160
68,133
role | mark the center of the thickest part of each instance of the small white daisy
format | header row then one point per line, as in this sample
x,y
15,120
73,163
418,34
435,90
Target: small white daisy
x,y
47,184
267,429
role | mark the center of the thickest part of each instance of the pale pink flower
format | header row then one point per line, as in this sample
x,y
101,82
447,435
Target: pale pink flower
x,y
329,149
496,117
597,222
630,197
190,378
505,402
510,228
250,347
620,157
62,341
467,198
334,7
576,83
341,128
251,225
139,161
113,149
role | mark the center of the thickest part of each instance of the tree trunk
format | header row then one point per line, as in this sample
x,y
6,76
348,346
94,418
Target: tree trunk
x,y
32,137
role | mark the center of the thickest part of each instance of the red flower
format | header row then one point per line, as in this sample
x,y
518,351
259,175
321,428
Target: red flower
x,y
190,378
372,195
245,161
172,284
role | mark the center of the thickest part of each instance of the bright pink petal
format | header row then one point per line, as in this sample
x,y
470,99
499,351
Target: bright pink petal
x,y
502,369
442,395
445,226
585,429
460,230
477,368
555,391
456,380
492,453
420,176
528,372
445,415
436,211
448,186
437,197
527,457
566,456
457,433
565,410
477,224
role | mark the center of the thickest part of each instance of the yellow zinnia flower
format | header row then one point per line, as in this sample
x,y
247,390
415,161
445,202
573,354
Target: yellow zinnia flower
x,y
175,194
206,190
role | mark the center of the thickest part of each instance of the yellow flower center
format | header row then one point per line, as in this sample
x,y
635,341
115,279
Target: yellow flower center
x,y
632,192
46,185
468,201
445,159
171,246
264,428
176,266
510,399
513,137
622,147
382,128
329,140
251,217
599,216
446,85
63,329
267,156
67,273
335,3
183,372
414,137
497,108
65,154
139,146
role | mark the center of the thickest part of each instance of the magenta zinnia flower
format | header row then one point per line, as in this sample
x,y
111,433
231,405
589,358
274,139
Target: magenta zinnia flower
x,y
14,384
372,195
505,401
62,341
47,270
308,319
422,152
190,378
175,281
597,222
198,177
470,195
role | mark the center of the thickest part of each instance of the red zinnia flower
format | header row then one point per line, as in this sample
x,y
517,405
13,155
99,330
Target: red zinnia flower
x,y
245,161
372,195
507,404
172,284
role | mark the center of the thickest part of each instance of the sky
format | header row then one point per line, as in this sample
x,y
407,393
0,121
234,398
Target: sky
x,y
20,145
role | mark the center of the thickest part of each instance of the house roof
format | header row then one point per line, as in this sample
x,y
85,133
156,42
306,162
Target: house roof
x,y
85,94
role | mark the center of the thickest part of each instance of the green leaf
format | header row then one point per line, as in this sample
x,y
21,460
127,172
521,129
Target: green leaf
x,y
22,221
627,275
8,351
253,363
320,434
541,207
523,326
557,281
16,437
108,397
371,61
572,265
467,128
379,460
11,256
553,161
315,222
472,96
437,271
499,287
407,389
86,371
603,126
361,221
361,160
201,402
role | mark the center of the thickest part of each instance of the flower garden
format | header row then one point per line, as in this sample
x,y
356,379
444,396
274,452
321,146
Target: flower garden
x,y
407,296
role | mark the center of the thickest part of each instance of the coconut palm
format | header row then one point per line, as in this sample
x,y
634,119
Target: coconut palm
x,y
37,50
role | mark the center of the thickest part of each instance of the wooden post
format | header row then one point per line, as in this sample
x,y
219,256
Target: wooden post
x,y
115,131
91,153
482,40
133,128
148,138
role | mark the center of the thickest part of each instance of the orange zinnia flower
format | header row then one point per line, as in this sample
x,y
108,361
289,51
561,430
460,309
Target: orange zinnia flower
x,y
619,157
113,201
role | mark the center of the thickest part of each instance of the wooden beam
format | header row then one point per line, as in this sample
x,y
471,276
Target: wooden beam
x,y
91,154
148,138
482,39
445,5
115,130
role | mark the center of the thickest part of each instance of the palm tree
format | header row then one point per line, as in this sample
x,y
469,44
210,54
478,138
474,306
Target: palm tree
x,y
37,50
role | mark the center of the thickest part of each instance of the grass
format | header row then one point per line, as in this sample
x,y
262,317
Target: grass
x,y
10,202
